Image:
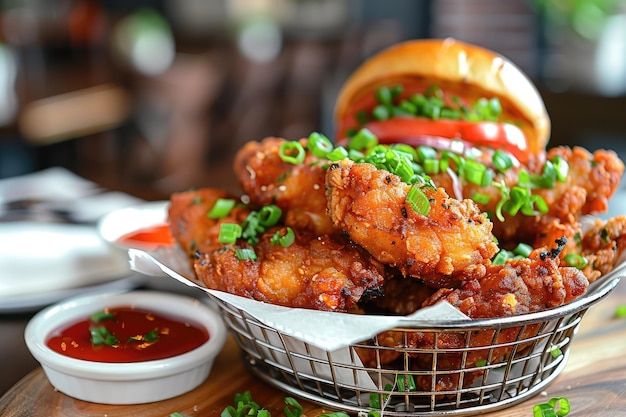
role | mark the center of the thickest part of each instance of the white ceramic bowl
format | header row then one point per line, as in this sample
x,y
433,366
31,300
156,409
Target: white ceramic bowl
x,y
117,223
126,383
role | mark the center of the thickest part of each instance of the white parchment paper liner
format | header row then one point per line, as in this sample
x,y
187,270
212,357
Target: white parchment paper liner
x,y
325,330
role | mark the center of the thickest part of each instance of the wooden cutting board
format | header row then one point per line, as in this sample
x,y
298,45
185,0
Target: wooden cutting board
x,y
594,381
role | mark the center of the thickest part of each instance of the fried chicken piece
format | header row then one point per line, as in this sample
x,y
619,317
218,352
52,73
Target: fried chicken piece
x,y
298,189
591,181
316,272
603,245
453,240
517,287
191,227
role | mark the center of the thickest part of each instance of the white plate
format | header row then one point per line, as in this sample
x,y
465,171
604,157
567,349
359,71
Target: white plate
x,y
40,262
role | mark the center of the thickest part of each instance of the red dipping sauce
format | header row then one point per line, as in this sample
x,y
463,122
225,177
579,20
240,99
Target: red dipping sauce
x,y
138,335
153,236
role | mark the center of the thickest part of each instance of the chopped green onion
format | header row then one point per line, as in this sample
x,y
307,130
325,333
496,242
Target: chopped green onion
x,y
407,107
620,311
269,215
431,166
292,152
576,260
523,249
101,316
518,198
150,337
363,139
563,406
229,233
406,383
404,148
605,237
487,178
418,200
426,152
319,145
337,154
355,155
283,240
562,168
245,254
550,408
473,171
251,227
100,335
292,407
221,208
502,160
448,113
381,112
396,90
556,352
504,197
540,203
384,96
481,198
482,362
500,258
361,117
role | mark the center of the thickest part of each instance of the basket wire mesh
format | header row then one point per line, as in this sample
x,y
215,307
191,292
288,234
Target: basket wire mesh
x,y
460,368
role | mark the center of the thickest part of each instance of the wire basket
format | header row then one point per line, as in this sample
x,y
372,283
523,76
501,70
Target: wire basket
x,y
460,368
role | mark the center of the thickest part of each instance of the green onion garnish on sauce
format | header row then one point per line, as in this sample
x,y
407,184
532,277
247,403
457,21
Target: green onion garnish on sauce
x,y
101,316
100,335
150,337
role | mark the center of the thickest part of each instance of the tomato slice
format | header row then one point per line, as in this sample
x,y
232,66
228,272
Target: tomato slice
x,y
414,130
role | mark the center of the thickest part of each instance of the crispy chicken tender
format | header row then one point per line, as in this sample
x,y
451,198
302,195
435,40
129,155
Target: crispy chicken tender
x,y
317,272
298,189
453,241
190,226
603,245
519,286
590,183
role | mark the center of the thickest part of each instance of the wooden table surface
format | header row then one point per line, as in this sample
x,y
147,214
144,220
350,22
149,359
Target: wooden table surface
x,y
594,381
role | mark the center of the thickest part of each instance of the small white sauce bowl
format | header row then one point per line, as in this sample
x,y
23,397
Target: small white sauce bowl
x,y
126,383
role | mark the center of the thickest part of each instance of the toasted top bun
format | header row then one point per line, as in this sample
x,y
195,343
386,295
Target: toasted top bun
x,y
465,70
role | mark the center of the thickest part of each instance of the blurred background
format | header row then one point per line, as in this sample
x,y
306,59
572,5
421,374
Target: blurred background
x,y
152,97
